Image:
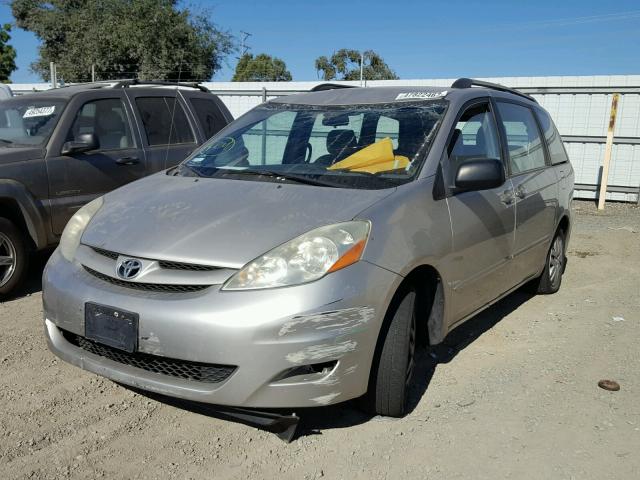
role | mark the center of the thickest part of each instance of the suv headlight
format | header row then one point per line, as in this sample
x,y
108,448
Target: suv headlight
x,y
71,234
304,259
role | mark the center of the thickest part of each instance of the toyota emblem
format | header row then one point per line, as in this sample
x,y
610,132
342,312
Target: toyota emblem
x,y
129,268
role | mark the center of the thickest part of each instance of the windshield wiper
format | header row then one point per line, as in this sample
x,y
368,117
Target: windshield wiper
x,y
273,174
5,141
368,174
184,165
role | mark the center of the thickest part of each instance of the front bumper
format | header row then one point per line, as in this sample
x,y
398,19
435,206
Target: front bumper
x,y
264,333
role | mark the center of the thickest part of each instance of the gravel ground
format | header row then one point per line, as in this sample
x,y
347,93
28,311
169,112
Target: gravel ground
x,y
511,394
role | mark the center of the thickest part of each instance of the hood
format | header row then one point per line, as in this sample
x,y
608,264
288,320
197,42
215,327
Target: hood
x,y
218,222
17,154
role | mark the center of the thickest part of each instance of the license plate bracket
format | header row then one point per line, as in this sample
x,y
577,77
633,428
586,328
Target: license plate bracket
x,y
111,326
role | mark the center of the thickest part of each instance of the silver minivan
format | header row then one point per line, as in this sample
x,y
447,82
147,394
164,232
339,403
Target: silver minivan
x,y
299,256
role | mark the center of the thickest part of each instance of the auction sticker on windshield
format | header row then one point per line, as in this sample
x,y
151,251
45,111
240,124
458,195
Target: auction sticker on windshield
x,y
420,95
39,111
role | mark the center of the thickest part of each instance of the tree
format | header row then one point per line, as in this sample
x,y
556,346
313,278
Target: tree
x,y
146,39
345,65
7,54
261,68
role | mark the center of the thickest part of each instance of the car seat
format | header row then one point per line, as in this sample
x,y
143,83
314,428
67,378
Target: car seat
x,y
340,144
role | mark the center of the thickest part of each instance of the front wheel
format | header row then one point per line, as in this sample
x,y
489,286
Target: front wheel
x,y
391,378
551,278
13,258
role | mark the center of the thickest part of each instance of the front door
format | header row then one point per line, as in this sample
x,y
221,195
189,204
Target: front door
x,y
77,178
482,221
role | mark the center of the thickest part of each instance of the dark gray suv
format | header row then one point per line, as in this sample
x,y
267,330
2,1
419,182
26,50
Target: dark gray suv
x,y
61,148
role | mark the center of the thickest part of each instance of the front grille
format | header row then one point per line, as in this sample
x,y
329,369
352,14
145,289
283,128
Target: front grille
x,y
163,263
186,266
105,253
147,287
200,372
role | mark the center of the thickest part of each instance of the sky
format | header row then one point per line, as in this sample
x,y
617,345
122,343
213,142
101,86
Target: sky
x,y
422,39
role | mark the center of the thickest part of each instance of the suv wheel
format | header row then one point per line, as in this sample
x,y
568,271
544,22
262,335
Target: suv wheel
x,y
13,259
551,278
391,379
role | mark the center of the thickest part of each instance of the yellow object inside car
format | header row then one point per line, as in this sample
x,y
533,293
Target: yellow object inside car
x,y
377,157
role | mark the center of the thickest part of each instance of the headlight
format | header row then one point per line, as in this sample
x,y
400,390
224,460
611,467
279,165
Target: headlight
x,y
305,258
73,231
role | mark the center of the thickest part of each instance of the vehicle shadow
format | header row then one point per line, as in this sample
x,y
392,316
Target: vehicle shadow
x,y
33,281
313,421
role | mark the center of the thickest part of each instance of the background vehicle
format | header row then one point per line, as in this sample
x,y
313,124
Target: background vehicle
x,y
61,148
299,257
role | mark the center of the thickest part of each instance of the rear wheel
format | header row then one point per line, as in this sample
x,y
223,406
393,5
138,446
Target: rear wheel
x,y
392,376
13,258
551,278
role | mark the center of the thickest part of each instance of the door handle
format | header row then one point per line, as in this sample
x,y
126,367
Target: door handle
x,y
128,161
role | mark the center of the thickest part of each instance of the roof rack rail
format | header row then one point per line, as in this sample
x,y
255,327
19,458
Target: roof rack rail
x,y
134,81
329,86
470,82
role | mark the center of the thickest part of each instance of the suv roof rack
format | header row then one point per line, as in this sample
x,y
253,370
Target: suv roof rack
x,y
134,81
329,86
470,82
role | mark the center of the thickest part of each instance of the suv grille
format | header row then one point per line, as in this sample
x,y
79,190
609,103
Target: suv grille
x,y
147,287
200,372
163,263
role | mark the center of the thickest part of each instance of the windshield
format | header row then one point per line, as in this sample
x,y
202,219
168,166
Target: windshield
x,y
25,122
368,146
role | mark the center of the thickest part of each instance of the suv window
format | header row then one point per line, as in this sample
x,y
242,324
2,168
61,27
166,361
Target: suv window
x,y
388,127
208,115
523,138
107,119
268,150
165,121
474,137
556,148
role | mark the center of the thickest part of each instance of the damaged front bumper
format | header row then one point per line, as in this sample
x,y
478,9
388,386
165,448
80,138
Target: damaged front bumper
x,y
301,346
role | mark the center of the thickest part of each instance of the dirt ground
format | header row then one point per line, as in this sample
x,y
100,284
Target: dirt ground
x,y
511,394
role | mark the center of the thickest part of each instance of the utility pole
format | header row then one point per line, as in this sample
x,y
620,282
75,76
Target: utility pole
x,y
361,68
244,48
93,72
53,75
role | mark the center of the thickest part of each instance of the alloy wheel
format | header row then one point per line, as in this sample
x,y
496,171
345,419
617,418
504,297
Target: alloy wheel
x,y
556,259
8,259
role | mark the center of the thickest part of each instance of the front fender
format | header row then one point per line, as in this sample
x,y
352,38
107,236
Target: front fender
x,y
32,211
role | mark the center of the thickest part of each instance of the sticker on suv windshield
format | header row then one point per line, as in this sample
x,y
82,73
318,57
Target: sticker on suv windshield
x,y
420,95
39,111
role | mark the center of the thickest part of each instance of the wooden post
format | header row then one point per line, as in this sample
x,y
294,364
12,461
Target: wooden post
x,y
607,152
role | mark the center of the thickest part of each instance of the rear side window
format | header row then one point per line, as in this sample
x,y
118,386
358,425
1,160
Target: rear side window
x,y
208,115
164,120
388,127
556,148
523,138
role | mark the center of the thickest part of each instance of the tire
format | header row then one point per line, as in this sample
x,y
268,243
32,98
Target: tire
x,y
391,376
551,279
13,257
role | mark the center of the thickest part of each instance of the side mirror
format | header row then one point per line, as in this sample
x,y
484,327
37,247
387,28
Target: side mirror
x,y
480,174
83,143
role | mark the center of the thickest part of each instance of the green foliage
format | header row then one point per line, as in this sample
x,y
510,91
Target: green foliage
x,y
345,65
147,39
7,54
261,68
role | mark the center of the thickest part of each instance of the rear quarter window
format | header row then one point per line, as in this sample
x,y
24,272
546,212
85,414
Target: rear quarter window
x,y
209,116
557,151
